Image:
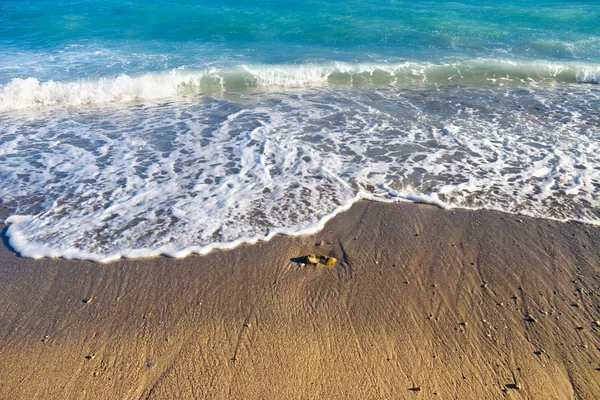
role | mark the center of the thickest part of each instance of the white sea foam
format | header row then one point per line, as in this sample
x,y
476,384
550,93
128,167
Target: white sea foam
x,y
175,178
30,92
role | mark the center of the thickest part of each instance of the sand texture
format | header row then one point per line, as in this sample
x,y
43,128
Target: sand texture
x,y
423,303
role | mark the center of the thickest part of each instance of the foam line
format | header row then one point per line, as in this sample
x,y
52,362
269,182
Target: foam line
x,y
31,249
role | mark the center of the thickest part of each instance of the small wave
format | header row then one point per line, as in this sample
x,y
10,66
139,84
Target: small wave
x,y
26,93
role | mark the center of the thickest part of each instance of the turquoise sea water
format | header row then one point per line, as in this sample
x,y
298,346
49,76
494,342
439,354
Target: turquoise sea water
x,y
137,128
76,39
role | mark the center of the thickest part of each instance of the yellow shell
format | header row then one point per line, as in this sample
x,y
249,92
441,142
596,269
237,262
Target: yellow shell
x,y
331,261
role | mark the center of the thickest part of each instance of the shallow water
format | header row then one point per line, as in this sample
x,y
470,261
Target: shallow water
x,y
169,128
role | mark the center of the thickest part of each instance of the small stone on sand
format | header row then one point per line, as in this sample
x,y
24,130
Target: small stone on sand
x,y
88,301
151,364
330,261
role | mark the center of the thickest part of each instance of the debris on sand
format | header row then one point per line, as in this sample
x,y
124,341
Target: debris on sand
x,y
314,259
530,318
516,386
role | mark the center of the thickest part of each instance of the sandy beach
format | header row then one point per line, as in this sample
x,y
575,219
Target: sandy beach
x,y
423,303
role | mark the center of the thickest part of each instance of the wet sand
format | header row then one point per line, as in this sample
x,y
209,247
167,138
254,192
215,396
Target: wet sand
x,y
423,303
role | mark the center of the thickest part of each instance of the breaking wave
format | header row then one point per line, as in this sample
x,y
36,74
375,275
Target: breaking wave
x,y
30,92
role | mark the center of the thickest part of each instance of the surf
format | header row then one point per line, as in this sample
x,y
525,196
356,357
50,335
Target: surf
x,y
32,93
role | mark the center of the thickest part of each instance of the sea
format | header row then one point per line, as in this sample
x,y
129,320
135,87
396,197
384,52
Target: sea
x,y
137,128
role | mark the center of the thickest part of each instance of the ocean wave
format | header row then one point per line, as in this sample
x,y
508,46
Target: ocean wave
x,y
30,92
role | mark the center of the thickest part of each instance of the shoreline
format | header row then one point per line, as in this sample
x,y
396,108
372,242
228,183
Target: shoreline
x,y
201,250
455,303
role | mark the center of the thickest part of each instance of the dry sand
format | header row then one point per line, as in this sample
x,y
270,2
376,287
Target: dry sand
x,y
424,303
